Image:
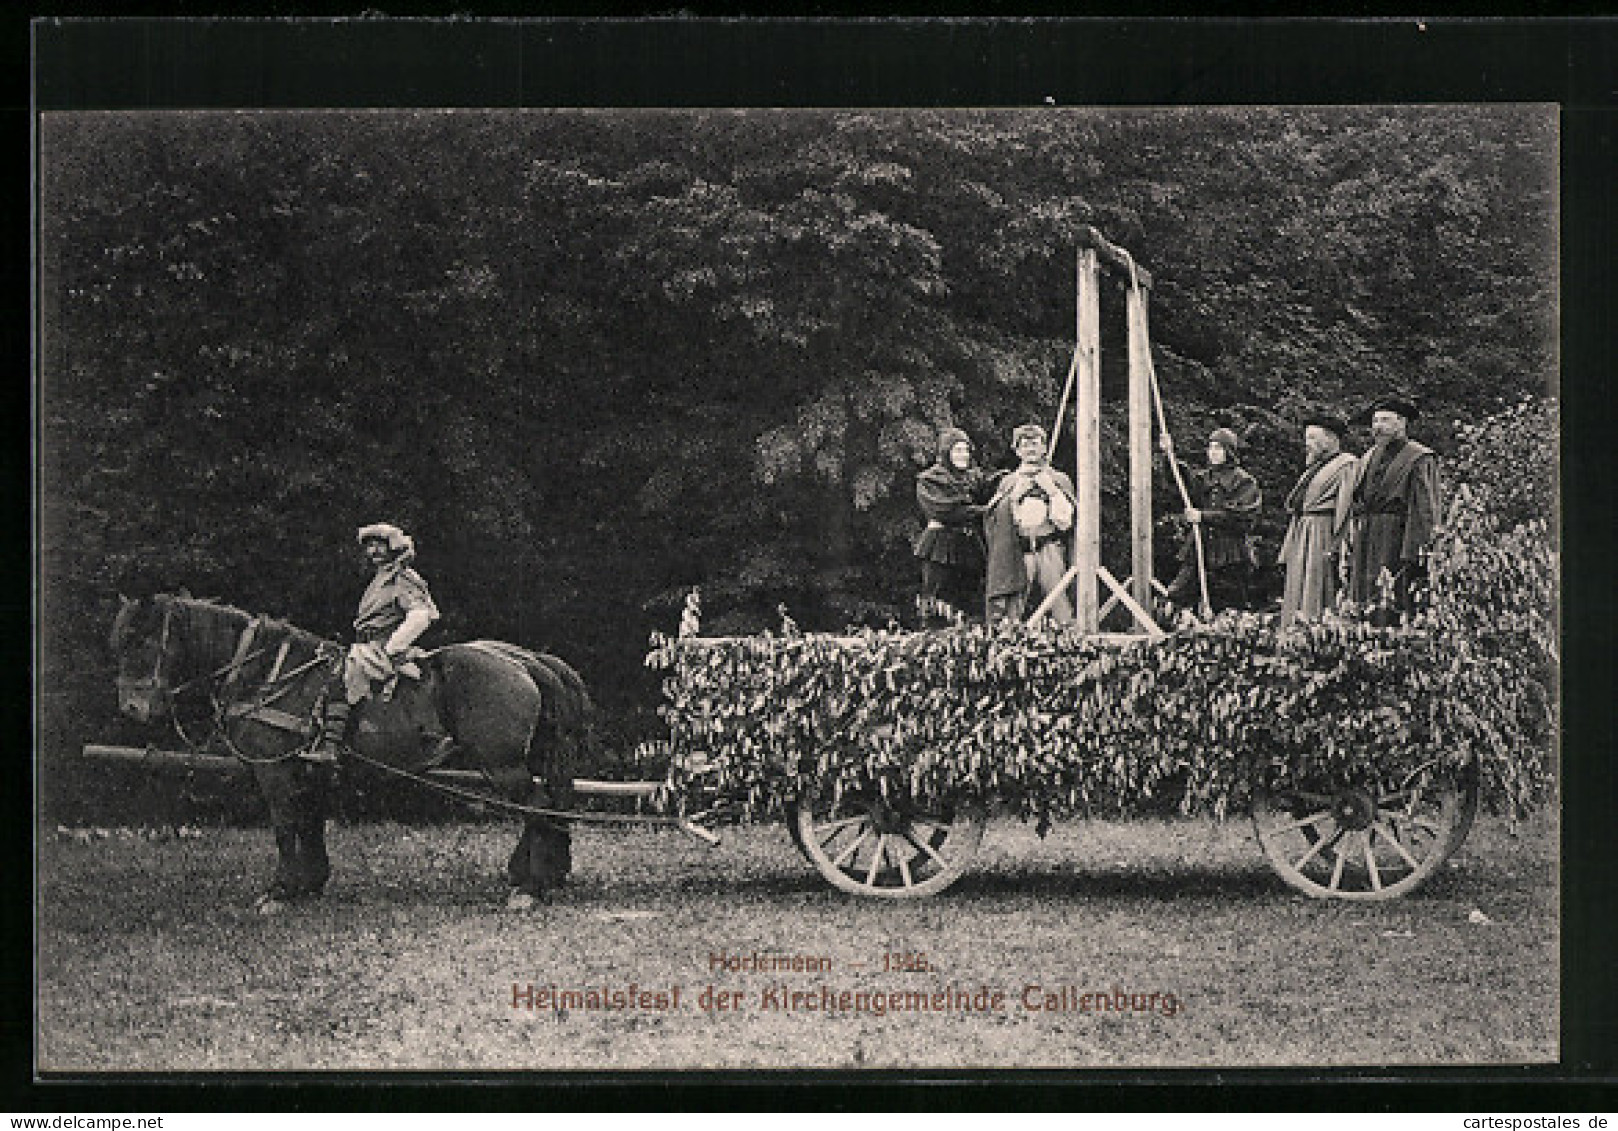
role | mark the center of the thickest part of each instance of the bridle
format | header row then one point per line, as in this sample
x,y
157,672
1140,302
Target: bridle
x,y
256,705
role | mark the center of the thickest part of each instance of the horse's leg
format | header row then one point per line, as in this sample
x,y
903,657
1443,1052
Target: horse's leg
x,y
314,866
552,854
294,805
492,707
518,869
283,884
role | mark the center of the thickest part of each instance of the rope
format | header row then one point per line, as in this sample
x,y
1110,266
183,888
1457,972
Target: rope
x,y
574,815
1163,426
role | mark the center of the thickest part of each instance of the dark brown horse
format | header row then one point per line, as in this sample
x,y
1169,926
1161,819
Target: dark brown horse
x,y
250,685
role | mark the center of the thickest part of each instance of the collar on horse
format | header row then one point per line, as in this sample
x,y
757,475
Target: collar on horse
x,y
255,703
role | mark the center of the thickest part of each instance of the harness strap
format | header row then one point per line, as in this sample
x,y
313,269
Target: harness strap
x,y
270,716
243,646
280,658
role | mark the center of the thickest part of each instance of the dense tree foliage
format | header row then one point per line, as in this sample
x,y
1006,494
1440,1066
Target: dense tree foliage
x,y
592,359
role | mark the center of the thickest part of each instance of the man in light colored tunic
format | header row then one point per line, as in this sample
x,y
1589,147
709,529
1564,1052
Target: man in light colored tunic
x,y
1318,505
1026,527
1395,512
395,609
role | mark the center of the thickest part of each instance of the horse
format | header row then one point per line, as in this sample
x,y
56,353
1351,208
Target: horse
x,y
520,717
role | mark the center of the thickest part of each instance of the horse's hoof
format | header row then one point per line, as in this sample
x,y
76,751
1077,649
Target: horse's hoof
x,y
521,901
268,905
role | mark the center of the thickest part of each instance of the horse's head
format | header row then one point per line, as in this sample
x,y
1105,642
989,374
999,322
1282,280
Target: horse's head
x,y
145,645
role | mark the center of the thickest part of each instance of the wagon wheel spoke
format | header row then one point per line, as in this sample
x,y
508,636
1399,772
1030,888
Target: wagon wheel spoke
x,y
1337,869
824,831
1398,845
850,850
904,870
1313,818
876,859
1320,844
927,848
1370,862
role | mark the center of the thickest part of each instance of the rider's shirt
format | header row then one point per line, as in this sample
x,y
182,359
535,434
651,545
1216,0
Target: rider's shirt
x,y
393,592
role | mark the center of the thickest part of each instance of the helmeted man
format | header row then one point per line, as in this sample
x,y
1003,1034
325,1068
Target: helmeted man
x,y
1026,528
1395,511
395,609
951,547
1225,501
1318,506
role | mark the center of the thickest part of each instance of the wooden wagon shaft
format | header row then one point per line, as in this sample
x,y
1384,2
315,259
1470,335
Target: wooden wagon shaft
x,y
152,758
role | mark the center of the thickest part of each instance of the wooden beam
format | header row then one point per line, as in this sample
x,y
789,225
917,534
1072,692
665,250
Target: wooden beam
x,y
1140,449
150,758
1142,617
1087,432
1113,256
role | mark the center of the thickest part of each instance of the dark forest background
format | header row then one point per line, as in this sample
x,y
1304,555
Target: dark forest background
x,y
594,359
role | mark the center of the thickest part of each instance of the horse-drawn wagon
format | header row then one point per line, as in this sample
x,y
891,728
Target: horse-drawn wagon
x,y
884,800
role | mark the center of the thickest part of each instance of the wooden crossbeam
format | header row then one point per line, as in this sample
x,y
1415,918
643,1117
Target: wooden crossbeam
x,y
1121,595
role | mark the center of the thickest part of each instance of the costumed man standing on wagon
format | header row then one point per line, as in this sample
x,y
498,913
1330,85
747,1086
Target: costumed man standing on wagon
x,y
1225,501
951,550
1026,528
1318,505
1396,509
395,609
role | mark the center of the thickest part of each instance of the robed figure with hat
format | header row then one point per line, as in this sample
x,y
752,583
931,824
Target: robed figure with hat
x,y
1395,511
1318,509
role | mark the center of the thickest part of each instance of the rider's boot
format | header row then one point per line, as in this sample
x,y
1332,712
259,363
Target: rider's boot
x,y
331,744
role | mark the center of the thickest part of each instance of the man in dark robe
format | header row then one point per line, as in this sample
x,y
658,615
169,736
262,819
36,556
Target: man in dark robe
x,y
1395,512
949,494
1225,501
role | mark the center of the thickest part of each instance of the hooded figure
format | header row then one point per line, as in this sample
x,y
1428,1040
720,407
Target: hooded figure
x,y
1225,500
949,493
395,609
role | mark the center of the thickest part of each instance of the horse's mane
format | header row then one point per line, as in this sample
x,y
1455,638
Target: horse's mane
x,y
214,627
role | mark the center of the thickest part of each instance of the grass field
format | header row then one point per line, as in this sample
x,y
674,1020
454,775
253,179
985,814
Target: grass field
x,y
152,958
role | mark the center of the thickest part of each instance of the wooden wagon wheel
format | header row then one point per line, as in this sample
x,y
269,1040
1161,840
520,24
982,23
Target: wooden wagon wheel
x,y
890,849
1355,843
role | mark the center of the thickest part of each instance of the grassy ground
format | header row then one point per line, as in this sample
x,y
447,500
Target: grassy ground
x,y
151,957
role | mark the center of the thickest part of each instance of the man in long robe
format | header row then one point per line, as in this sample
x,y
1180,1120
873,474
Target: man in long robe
x,y
1027,527
1319,507
1395,512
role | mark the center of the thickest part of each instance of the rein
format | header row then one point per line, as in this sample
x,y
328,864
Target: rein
x,y
255,704
573,816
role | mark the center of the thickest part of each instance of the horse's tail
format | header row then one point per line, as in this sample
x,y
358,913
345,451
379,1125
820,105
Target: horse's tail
x,y
566,738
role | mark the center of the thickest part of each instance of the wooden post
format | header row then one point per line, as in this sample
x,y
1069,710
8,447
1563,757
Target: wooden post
x,y
1140,450
1087,434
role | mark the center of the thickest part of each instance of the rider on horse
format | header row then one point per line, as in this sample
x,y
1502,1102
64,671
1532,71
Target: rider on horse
x,y
396,609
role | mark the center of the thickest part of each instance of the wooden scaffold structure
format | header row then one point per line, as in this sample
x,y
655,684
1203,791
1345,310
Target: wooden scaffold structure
x,y
1083,390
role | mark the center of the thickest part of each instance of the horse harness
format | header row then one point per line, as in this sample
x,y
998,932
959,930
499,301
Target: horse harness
x,y
257,705
279,684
